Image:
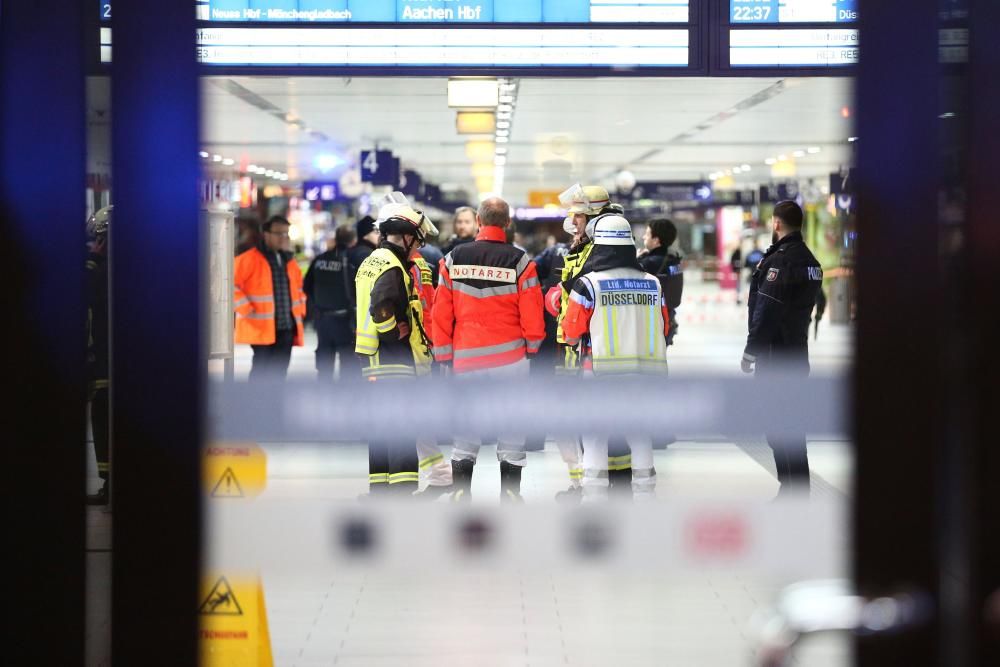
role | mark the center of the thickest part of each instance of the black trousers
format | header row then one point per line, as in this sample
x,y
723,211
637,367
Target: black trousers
x,y
335,335
791,460
392,466
271,361
99,425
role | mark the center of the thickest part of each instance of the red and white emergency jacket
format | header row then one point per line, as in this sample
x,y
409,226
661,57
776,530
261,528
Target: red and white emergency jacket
x,y
488,305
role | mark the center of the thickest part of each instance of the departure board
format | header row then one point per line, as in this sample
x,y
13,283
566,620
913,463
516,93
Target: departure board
x,y
445,11
432,47
835,47
755,12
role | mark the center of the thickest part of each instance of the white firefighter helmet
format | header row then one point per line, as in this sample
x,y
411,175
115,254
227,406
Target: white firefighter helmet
x,y
587,199
397,216
98,223
610,229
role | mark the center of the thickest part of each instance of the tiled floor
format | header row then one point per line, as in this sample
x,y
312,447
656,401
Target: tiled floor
x,y
544,616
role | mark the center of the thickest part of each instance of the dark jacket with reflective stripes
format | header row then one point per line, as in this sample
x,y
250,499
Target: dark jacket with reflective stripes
x,y
488,304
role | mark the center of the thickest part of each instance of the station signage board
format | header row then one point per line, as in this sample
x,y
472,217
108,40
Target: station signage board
x,y
697,192
445,11
809,34
379,168
321,191
432,47
813,47
755,12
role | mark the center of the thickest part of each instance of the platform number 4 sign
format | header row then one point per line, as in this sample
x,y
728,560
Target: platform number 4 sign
x,y
377,167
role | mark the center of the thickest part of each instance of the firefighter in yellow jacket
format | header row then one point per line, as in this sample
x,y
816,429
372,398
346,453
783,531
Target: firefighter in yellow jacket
x,y
391,334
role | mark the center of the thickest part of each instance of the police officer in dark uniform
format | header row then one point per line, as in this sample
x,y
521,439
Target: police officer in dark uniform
x,y
782,296
329,286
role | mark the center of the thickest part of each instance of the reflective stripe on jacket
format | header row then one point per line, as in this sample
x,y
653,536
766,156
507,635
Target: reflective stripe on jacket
x,y
488,305
626,317
423,277
572,266
253,298
367,343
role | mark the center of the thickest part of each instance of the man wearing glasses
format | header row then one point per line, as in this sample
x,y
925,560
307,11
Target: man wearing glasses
x,y
269,302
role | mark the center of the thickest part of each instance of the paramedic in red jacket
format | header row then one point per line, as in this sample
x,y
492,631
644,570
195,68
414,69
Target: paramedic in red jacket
x,y
488,322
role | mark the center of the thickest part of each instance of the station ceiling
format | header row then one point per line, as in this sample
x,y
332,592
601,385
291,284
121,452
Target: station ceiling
x,y
563,130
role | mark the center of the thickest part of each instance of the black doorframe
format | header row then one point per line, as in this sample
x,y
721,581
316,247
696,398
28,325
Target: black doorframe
x,y
43,254
897,379
159,369
981,308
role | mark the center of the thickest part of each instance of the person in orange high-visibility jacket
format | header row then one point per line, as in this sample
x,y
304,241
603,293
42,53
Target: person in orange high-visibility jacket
x,y
269,301
488,320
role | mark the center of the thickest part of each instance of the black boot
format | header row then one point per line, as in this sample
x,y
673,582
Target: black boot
x,y
571,496
461,480
510,483
620,483
101,497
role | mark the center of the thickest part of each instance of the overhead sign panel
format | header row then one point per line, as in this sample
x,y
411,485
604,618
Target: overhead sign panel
x,y
379,168
446,11
433,47
793,48
792,11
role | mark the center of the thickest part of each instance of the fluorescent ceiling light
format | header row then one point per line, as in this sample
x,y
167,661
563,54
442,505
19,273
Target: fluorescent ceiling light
x,y
503,133
481,169
216,158
501,150
502,140
251,167
503,124
202,154
798,154
473,93
505,107
812,150
479,151
500,160
229,162
769,161
475,122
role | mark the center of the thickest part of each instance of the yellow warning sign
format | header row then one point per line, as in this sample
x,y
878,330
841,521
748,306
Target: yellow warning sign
x,y
234,470
221,601
233,620
227,486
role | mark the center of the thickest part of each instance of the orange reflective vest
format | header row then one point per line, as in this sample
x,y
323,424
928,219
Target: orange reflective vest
x,y
253,298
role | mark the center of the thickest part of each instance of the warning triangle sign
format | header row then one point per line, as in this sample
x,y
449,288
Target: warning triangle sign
x,y
221,601
227,486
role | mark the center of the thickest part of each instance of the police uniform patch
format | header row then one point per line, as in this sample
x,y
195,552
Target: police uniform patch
x,y
772,275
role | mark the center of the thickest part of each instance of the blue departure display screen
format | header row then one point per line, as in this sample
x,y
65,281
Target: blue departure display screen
x,y
751,12
445,11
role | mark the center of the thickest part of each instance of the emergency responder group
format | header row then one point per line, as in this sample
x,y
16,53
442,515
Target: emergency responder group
x,y
595,310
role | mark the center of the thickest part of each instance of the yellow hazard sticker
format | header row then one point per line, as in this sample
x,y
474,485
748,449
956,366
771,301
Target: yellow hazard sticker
x,y
234,470
233,622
